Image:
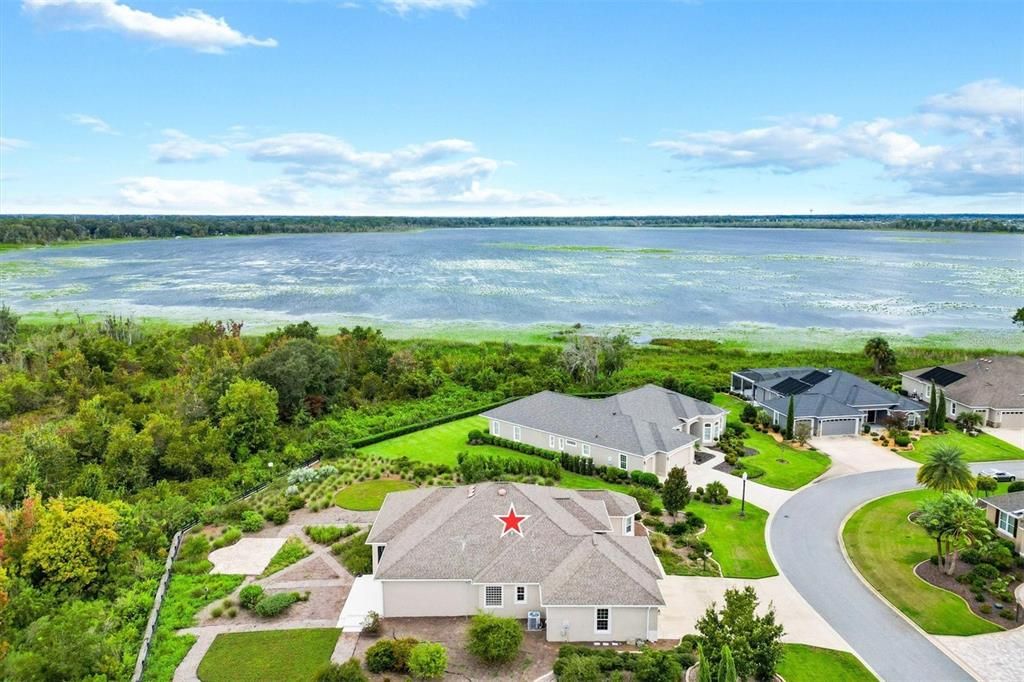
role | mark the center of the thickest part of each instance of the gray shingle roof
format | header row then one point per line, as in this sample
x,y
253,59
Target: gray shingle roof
x,y
827,389
813,405
996,382
617,504
640,421
1011,503
451,534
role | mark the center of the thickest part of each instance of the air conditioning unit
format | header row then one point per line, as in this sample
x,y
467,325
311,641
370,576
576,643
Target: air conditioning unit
x,y
533,622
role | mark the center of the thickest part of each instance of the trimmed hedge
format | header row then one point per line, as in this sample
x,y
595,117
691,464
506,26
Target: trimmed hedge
x,y
274,604
476,467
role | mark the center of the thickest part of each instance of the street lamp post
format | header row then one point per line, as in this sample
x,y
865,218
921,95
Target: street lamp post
x,y
743,500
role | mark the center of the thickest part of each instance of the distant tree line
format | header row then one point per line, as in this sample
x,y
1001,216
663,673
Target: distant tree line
x,y
45,229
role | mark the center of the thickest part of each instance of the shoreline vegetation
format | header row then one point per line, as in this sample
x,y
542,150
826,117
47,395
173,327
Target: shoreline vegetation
x,y
55,229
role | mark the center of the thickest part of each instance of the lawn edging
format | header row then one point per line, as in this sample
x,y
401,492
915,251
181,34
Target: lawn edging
x,y
849,562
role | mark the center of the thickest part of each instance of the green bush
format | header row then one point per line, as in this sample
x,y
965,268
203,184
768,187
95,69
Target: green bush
x,y
349,671
251,521
579,669
250,595
494,639
278,517
475,467
355,555
902,440
275,604
390,655
325,535
1015,487
291,551
230,536
195,547
427,661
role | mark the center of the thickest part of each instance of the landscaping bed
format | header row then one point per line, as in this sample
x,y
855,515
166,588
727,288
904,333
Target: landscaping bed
x,y
934,575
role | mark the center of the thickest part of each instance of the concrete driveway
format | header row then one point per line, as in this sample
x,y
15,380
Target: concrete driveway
x,y
857,455
687,597
1011,436
804,537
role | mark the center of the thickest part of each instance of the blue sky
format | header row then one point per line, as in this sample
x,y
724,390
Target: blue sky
x,y
491,107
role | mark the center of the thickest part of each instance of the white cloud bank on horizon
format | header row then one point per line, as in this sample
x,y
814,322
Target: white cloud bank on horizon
x,y
193,29
981,125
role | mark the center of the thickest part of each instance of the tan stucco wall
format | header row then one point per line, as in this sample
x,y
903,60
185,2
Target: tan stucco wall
x,y
576,624
602,456
510,609
417,598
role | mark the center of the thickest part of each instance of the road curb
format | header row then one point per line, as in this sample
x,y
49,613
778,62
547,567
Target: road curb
x,y
931,638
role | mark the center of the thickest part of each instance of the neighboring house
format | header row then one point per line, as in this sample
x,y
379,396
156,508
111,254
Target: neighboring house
x,y
649,428
834,402
993,387
1006,513
579,558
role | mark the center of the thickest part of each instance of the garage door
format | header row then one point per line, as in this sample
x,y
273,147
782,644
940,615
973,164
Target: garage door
x,y
838,427
1012,419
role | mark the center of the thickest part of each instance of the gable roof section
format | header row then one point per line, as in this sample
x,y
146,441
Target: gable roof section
x,y
1011,503
846,389
451,534
996,382
641,421
812,405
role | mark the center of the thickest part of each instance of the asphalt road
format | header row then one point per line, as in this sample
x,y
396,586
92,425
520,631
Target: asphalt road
x,y
805,541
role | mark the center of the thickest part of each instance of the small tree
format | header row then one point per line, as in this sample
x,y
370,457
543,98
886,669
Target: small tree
x,y
969,421
940,412
945,470
749,414
1018,317
754,642
676,494
790,417
703,667
428,661
881,355
726,666
986,484
802,432
933,408
494,639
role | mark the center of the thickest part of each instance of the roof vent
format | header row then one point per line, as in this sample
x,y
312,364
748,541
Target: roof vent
x,y
502,492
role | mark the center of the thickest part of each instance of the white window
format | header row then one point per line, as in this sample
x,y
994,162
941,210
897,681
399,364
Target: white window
x,y
718,430
602,620
495,428
570,443
585,449
551,442
517,433
493,597
623,461
1005,522
629,525
520,594
561,445
952,409
707,431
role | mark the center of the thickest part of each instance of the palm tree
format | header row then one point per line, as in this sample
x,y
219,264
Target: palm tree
x,y
945,470
881,355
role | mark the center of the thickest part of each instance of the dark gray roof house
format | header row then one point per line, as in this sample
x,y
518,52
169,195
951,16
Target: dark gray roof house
x,y
833,401
648,428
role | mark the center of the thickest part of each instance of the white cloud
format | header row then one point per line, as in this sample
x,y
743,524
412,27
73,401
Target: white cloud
x,y
178,147
321,149
9,144
981,124
459,7
192,29
215,196
93,123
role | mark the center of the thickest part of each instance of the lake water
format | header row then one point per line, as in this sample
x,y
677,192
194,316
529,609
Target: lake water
x,y
654,279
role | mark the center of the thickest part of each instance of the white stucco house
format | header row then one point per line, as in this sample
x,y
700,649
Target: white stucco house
x,y
992,387
649,428
574,560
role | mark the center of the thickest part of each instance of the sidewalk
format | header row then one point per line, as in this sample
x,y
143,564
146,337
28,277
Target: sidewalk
x,y
763,496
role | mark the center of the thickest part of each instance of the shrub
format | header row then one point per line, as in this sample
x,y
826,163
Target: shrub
x,y
230,536
644,496
902,440
250,595
195,547
325,535
1015,487
1007,613
749,414
291,551
494,639
390,655
217,612
251,521
427,661
716,493
579,669
275,604
278,517
985,572
354,554
985,608
349,671
372,624
232,612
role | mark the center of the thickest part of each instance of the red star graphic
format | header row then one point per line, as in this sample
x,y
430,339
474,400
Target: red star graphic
x,y
512,521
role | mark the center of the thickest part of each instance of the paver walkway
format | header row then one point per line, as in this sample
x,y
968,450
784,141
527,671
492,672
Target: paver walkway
x,y
998,657
763,496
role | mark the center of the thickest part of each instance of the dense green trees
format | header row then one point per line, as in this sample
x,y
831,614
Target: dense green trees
x,y
753,642
881,354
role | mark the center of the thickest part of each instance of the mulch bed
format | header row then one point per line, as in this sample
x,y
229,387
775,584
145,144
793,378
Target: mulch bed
x,y
934,575
701,456
724,467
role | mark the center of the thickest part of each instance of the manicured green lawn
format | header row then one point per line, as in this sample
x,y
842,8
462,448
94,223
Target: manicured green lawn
x,y
980,448
368,495
784,467
885,547
280,655
737,544
803,663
